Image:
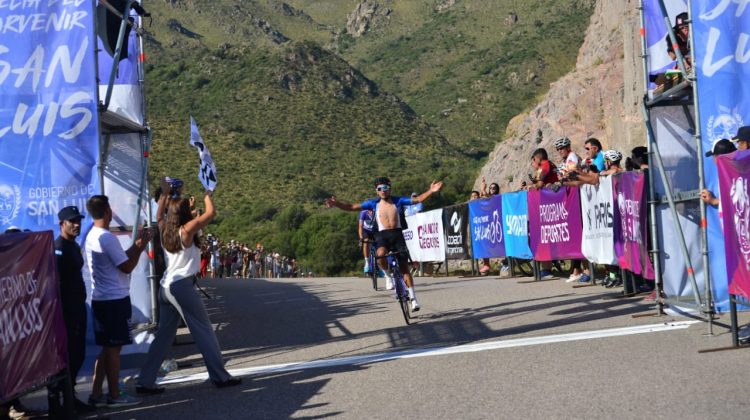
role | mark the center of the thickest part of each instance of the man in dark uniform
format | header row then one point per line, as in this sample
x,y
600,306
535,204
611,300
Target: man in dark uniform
x,y
72,292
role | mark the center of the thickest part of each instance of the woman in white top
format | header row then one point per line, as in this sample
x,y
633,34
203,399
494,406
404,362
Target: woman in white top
x,y
178,296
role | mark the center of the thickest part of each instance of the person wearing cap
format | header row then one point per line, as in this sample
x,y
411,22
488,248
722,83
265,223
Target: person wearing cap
x,y
414,208
720,147
389,232
72,297
742,139
178,296
682,34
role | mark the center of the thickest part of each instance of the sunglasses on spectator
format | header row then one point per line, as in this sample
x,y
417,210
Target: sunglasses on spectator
x,y
383,188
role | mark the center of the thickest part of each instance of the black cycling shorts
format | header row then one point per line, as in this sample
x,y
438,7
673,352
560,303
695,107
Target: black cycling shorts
x,y
393,240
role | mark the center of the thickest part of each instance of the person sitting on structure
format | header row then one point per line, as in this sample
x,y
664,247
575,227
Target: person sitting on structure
x,y
682,34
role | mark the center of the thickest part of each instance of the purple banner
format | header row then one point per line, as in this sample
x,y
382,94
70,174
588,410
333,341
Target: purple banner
x,y
33,343
734,172
631,234
555,224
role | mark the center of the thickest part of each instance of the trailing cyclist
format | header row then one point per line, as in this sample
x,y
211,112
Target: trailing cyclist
x,y
389,224
364,229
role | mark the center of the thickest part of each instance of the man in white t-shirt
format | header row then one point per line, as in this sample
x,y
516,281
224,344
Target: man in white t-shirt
x,y
110,267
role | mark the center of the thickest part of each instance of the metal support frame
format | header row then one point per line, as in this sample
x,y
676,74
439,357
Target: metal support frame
x,y
673,97
117,124
118,49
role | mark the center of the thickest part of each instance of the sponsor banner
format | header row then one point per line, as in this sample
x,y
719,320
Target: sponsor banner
x,y
516,225
598,222
33,343
456,226
487,227
555,224
49,138
630,230
720,34
207,170
734,172
424,237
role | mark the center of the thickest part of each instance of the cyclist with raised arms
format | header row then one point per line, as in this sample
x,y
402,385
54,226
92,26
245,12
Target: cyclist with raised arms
x,y
388,227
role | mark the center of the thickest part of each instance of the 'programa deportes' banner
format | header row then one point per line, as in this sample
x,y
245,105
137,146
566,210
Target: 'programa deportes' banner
x,y
555,224
48,112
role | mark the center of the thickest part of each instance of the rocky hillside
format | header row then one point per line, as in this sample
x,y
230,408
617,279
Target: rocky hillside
x,y
601,98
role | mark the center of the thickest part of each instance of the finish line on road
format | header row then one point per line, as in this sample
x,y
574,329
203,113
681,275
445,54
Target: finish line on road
x,y
438,351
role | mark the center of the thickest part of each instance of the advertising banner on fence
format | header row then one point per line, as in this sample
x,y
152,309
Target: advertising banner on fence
x,y
424,237
33,343
598,222
720,34
734,173
456,226
555,224
48,111
487,227
631,232
516,225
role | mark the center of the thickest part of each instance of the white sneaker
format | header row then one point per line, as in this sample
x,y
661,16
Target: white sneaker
x,y
415,305
573,278
389,285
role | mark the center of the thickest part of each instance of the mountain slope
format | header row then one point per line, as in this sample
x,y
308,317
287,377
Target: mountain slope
x,y
289,121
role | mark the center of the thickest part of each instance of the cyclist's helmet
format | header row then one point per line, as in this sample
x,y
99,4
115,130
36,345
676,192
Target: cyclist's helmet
x,y
562,142
613,155
382,180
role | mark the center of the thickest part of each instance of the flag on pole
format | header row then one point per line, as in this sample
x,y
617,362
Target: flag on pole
x,y
207,172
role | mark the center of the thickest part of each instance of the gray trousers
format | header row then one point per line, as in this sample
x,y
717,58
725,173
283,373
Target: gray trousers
x,y
182,299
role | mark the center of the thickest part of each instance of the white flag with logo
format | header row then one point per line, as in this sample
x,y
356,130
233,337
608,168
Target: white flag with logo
x,y
598,222
207,171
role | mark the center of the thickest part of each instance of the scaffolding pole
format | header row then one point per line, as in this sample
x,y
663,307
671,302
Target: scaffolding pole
x,y
655,155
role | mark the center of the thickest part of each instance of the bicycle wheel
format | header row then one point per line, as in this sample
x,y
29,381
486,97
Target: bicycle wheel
x,y
402,295
525,267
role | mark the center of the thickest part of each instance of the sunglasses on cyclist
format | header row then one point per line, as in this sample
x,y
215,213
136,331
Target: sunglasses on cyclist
x,y
383,187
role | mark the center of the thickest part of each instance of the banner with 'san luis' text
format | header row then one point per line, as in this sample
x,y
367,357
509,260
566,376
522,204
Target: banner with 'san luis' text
x,y
49,137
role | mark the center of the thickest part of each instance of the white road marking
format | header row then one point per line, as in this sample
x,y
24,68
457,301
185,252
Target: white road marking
x,y
438,351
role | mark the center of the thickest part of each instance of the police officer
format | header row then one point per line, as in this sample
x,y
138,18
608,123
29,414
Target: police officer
x,y
72,291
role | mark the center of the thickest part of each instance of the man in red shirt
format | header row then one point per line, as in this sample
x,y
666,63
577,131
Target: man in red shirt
x,y
546,171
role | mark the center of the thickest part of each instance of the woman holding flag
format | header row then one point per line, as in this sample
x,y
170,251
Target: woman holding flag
x,y
177,294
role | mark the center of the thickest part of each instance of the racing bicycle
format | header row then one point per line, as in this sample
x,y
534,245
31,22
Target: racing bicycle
x,y
402,295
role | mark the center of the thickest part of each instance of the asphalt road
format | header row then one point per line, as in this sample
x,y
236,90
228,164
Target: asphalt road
x,y
479,348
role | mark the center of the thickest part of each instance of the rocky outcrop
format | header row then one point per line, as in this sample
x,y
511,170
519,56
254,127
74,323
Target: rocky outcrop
x,y
444,5
364,17
600,98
